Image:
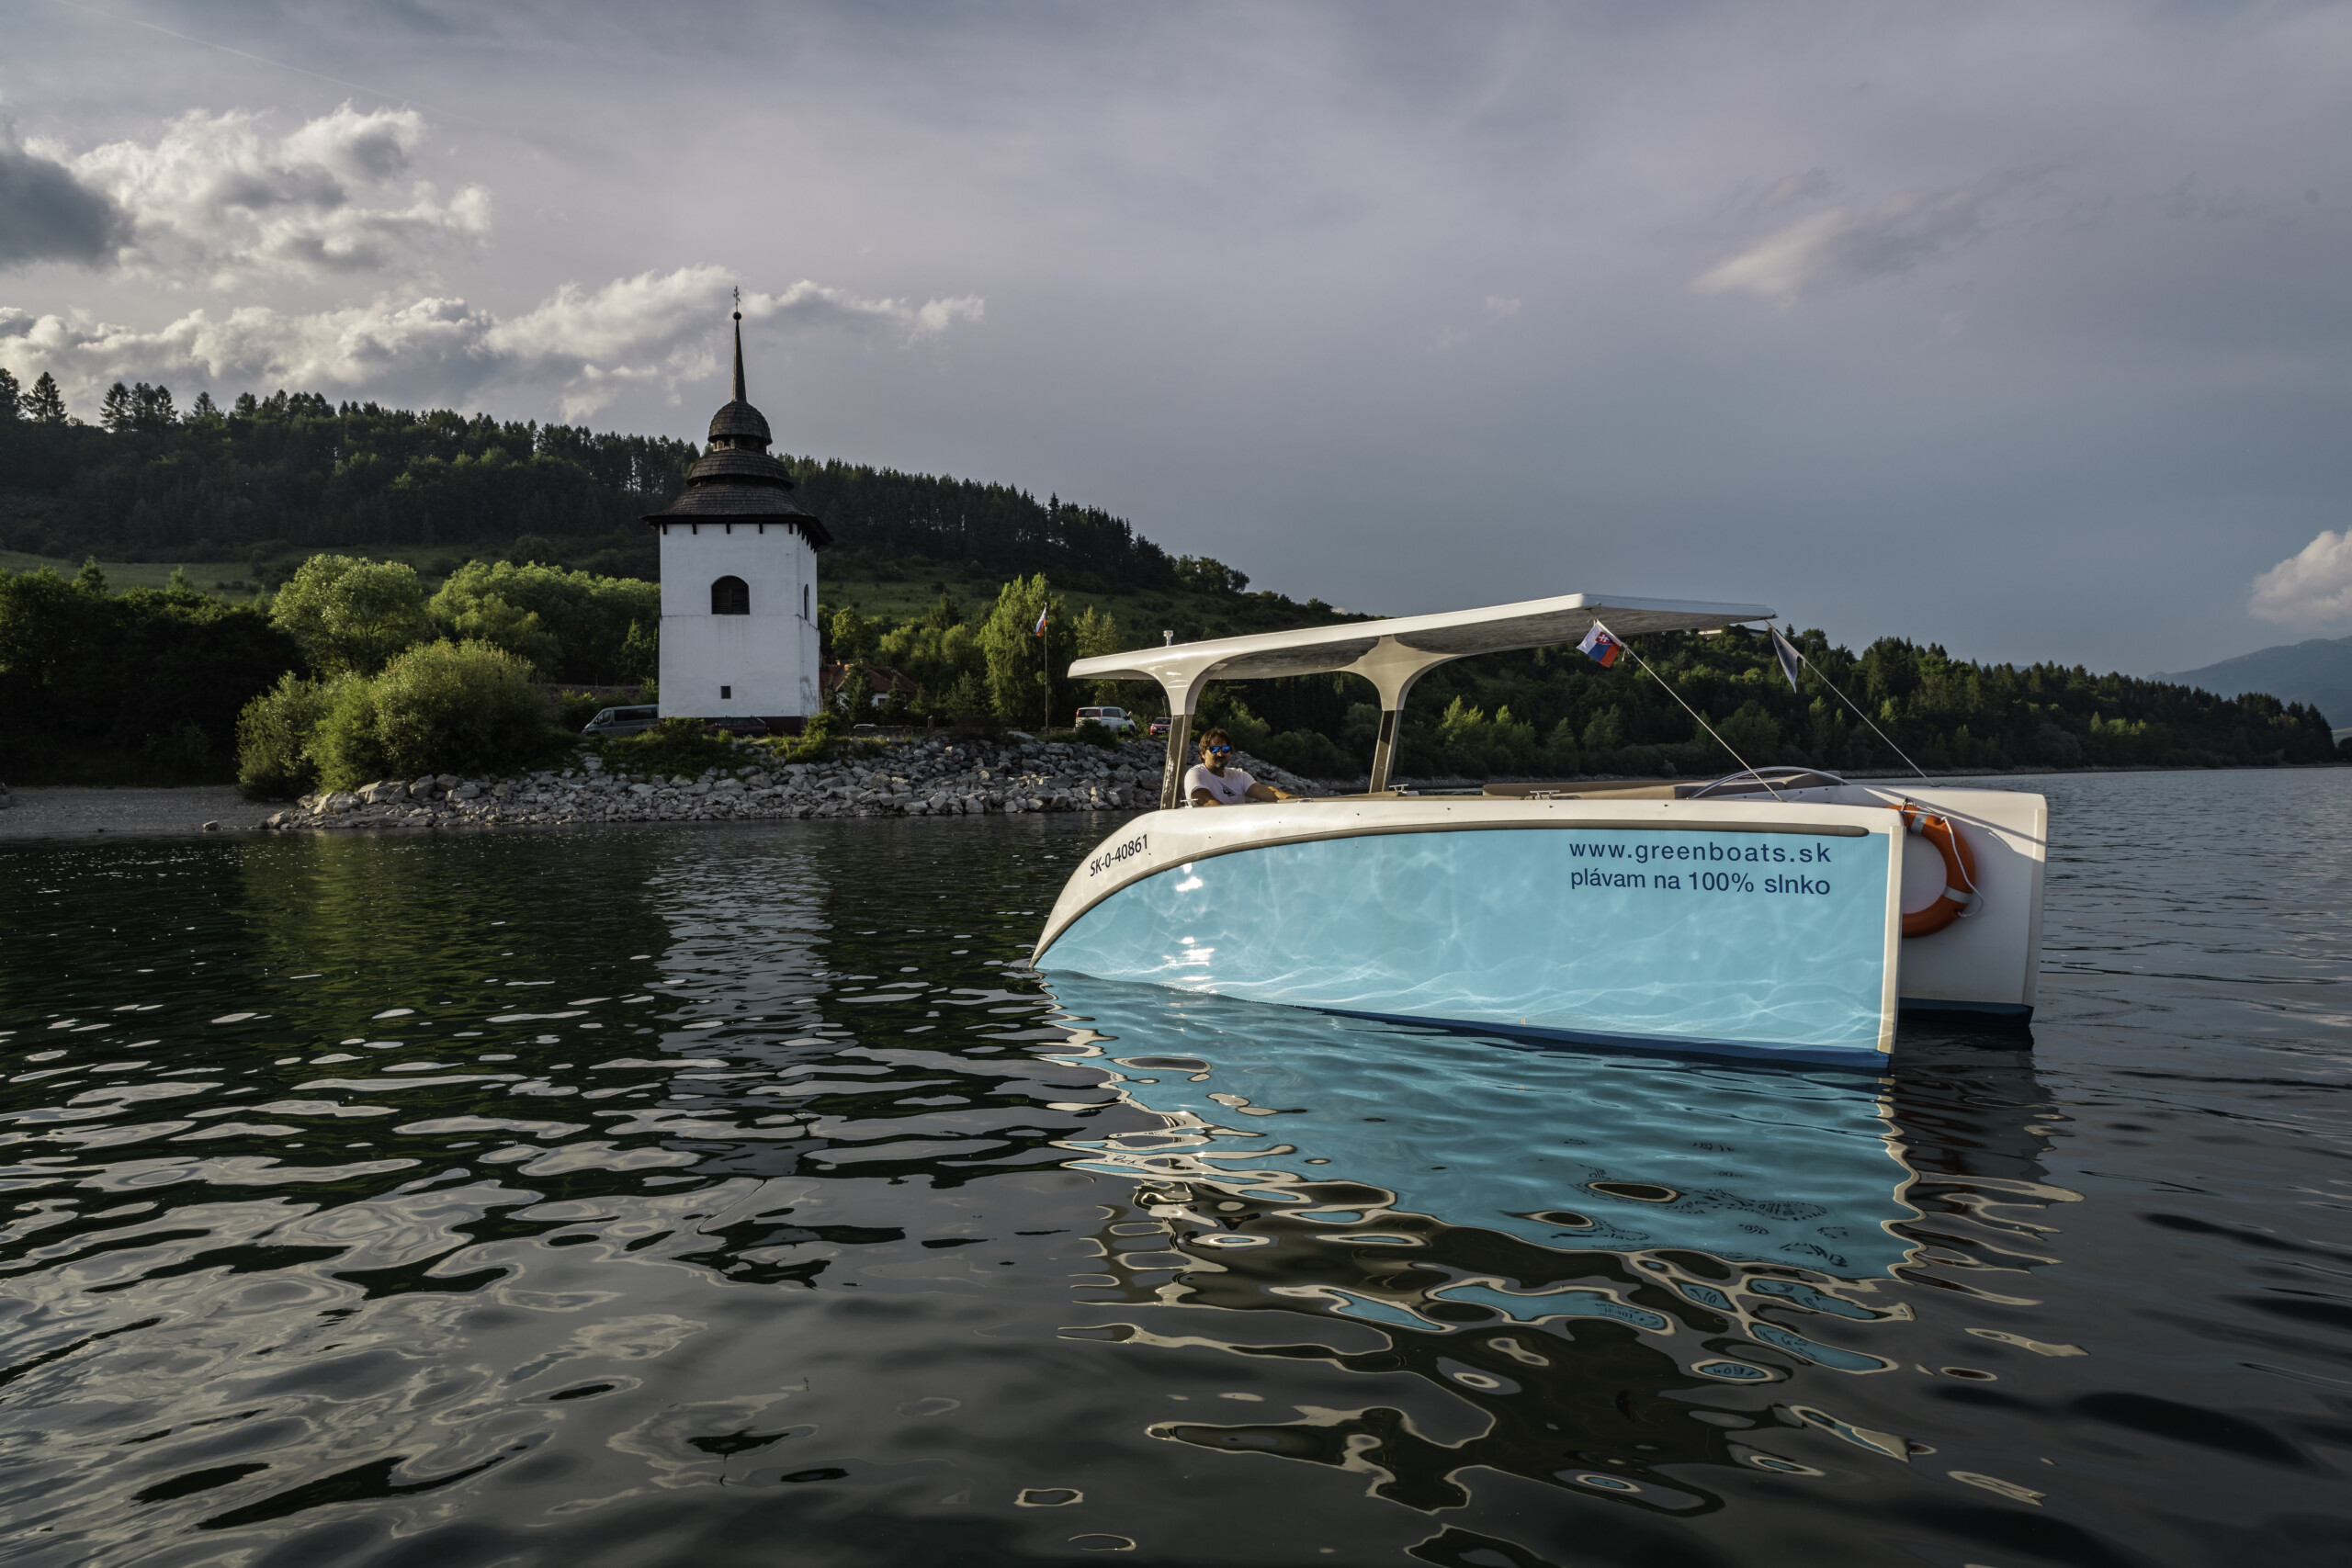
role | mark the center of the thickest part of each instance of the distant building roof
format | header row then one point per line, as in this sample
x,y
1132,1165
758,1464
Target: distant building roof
x,y
881,677
736,480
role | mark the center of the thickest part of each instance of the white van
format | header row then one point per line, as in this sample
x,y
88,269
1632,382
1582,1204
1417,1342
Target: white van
x,y
1116,720
623,721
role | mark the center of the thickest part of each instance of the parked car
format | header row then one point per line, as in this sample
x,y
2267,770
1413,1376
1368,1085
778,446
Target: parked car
x,y
751,727
1116,720
623,721
1162,725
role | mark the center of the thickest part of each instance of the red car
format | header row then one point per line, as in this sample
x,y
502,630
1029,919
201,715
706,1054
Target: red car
x,y
1162,725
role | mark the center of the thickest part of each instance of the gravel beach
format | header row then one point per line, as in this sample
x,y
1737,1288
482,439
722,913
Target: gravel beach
x,y
72,811
930,778
924,778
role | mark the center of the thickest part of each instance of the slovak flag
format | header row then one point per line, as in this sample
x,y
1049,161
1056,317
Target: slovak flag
x,y
1039,629
1601,644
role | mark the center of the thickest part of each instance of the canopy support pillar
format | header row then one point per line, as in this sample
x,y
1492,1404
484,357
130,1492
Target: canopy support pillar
x,y
1181,695
1392,668
1384,749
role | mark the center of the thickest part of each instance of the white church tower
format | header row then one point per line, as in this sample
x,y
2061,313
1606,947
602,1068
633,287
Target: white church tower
x,y
738,579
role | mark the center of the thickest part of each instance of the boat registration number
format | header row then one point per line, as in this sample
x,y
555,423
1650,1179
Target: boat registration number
x,y
1118,852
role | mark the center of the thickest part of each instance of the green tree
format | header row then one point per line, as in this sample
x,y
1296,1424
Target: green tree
x,y
1208,576
151,407
854,698
936,659
1017,660
352,614
1093,633
488,618
575,625
850,637
138,687
640,657
114,409
12,397
45,404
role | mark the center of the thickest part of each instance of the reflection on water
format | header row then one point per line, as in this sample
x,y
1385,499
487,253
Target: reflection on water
x,y
1732,1226
717,1196
1555,1146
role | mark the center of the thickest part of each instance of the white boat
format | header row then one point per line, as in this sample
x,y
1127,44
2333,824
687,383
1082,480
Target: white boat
x,y
1759,915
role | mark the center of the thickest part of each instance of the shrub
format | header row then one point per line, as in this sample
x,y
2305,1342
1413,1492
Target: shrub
x,y
673,746
345,746
274,737
822,738
1094,732
574,709
445,707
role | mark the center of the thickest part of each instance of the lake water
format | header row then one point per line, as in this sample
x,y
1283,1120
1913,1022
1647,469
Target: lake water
x,y
731,1195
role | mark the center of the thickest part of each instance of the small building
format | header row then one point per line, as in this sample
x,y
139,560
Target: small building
x,y
738,579
881,681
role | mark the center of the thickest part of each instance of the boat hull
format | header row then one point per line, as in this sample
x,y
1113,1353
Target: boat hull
x,y
1720,927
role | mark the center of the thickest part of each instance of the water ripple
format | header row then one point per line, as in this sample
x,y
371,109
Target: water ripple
x,y
663,1194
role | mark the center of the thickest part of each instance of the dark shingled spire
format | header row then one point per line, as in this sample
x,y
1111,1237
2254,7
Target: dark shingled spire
x,y
738,423
737,481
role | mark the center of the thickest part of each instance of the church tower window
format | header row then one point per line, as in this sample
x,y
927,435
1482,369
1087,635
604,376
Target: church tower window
x,y
730,596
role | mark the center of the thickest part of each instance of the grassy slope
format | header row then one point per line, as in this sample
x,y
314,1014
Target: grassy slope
x,y
208,576
203,575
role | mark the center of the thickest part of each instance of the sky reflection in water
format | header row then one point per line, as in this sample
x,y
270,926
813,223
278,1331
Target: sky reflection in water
x,y
695,1195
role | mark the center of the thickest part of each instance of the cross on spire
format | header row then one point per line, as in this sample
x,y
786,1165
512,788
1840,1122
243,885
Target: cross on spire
x,y
739,347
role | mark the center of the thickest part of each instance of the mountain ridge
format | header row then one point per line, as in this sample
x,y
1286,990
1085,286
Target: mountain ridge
x,y
2316,672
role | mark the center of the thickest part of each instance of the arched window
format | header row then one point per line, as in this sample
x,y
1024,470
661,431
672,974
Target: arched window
x,y
804,601
730,596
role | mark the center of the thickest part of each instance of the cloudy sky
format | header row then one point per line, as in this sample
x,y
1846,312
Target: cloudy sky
x,y
2021,326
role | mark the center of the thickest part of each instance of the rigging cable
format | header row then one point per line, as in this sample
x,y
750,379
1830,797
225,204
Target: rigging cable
x,y
1691,711
1785,643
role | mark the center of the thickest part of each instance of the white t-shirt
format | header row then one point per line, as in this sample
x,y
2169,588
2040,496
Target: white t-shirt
x,y
1231,788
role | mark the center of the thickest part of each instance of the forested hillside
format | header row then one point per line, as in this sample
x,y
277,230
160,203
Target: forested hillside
x,y
938,579
1553,712
272,479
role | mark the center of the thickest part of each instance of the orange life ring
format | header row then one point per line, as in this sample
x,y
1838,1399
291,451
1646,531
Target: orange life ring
x,y
1960,872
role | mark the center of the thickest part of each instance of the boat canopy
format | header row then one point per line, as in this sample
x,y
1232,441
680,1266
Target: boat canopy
x,y
1391,654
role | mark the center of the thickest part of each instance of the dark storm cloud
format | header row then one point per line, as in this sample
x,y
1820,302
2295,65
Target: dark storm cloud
x,y
2019,325
48,215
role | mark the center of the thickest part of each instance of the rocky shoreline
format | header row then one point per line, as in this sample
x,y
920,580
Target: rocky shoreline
x,y
927,778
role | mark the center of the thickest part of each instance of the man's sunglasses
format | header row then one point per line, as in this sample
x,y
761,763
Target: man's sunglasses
x,y
1216,750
